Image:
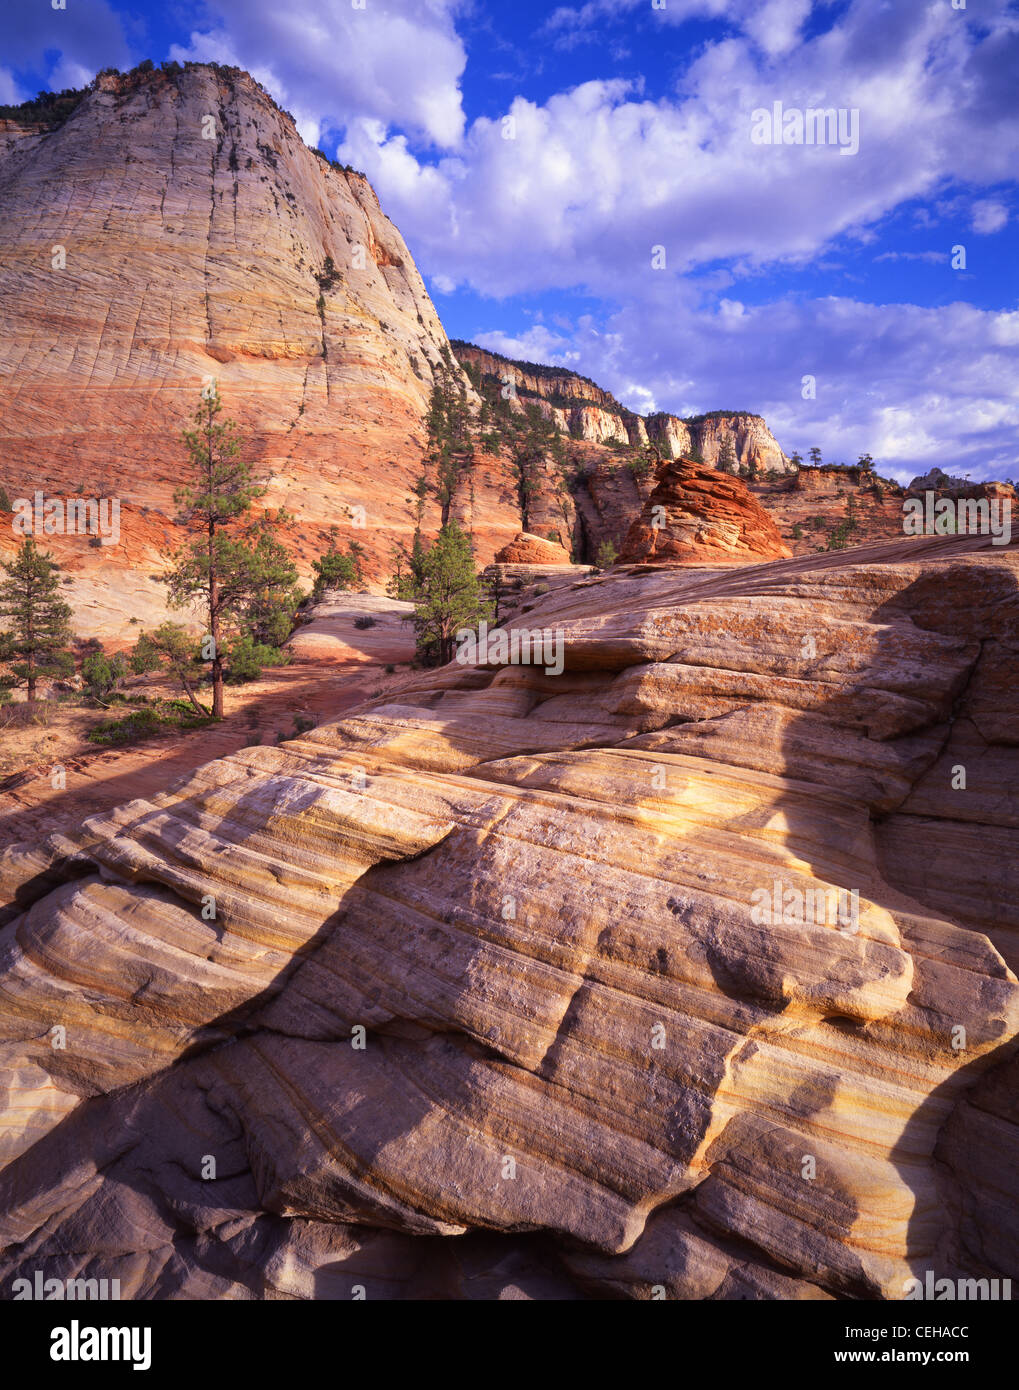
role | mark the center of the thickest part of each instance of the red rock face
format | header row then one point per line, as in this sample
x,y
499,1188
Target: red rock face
x,y
585,411
698,516
526,549
138,260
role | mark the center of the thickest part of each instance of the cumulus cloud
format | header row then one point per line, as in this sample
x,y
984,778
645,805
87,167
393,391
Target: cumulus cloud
x,y
578,189
398,63
989,216
938,385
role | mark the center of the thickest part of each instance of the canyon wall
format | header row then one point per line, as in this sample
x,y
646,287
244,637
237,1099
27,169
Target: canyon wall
x,y
585,411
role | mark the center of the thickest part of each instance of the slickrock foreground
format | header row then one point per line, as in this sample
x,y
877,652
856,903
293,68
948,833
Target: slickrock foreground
x,y
472,994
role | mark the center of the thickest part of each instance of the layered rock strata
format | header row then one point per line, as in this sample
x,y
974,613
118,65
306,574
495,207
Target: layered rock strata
x,y
696,516
499,988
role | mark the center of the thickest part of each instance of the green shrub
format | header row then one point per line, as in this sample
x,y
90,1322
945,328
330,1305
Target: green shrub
x,y
139,724
146,723
247,658
334,570
101,673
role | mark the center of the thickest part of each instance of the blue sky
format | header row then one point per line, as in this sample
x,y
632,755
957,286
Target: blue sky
x,y
535,155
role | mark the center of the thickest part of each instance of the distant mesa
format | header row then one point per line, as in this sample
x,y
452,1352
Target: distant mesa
x,y
698,516
585,411
937,480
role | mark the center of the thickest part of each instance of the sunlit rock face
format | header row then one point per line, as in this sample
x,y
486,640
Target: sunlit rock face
x,y
525,549
681,969
174,230
588,412
697,516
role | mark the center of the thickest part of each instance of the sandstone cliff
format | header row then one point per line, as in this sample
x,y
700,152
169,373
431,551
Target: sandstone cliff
x,y
485,961
585,411
139,259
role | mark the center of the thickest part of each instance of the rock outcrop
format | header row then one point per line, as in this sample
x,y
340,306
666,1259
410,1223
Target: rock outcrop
x,y
696,516
525,549
754,447
518,984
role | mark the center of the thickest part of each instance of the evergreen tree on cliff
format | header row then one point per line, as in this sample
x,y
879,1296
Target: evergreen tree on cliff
x,y
35,643
450,450
215,570
726,457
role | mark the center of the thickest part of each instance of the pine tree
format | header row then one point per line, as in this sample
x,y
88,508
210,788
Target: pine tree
x,y
333,569
815,456
726,457
446,593
450,449
216,569
36,641
266,610
102,674
538,440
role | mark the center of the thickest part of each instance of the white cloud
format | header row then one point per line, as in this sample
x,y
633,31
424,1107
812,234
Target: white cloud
x,y
399,63
989,216
597,175
10,93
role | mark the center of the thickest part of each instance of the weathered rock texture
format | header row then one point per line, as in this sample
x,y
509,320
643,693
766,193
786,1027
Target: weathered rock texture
x,y
526,549
697,516
484,1009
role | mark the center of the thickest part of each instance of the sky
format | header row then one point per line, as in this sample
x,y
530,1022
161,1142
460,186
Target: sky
x,y
593,185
